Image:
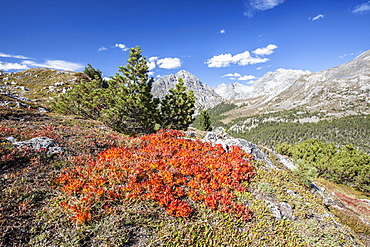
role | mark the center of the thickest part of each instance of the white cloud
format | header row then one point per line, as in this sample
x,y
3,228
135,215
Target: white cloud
x,y
362,8
242,59
55,64
259,68
164,63
26,64
169,63
12,66
222,31
121,46
246,78
265,4
317,17
151,62
13,56
268,50
223,60
239,77
153,59
245,58
102,48
231,75
345,55
260,5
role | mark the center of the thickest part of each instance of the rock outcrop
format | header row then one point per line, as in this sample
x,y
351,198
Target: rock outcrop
x,y
219,136
39,143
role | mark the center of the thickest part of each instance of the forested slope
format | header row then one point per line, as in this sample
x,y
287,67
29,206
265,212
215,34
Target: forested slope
x,y
353,130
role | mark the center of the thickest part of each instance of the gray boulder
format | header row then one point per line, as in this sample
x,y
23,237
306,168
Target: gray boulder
x,y
39,143
281,210
220,137
10,139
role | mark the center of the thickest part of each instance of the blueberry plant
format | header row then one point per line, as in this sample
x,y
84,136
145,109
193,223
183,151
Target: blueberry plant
x,y
165,168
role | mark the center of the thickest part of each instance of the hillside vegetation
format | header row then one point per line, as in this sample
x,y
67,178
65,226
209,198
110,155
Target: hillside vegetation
x,y
35,87
353,130
345,165
50,199
294,126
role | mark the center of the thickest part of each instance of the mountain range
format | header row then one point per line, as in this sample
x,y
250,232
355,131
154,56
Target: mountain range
x,y
342,90
339,91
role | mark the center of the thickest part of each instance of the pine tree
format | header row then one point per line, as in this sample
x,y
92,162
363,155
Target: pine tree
x,y
204,121
94,73
85,99
131,107
177,108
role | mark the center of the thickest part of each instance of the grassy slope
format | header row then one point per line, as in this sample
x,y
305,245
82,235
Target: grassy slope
x,y
30,212
38,84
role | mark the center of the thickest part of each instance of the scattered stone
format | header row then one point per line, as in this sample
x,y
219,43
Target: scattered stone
x,y
3,92
221,132
281,210
55,150
211,137
274,209
42,110
10,139
286,211
190,134
57,84
38,143
291,192
23,88
23,99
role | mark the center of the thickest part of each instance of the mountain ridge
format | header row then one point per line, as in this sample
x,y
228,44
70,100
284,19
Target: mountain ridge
x,y
205,95
341,90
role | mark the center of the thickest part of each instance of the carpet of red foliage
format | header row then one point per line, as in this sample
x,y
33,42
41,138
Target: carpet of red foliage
x,y
173,171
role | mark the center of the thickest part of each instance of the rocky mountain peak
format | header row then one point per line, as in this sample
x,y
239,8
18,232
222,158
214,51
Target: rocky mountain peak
x,y
342,90
185,74
206,97
341,87
268,86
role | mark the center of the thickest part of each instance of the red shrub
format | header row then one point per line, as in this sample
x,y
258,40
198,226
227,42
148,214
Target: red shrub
x,y
163,167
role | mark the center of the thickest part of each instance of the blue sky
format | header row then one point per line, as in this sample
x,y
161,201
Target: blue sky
x,y
219,41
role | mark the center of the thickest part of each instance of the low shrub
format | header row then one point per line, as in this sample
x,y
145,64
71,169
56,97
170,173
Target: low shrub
x,y
173,171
